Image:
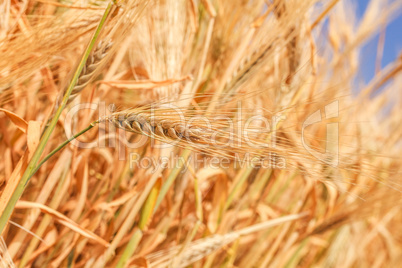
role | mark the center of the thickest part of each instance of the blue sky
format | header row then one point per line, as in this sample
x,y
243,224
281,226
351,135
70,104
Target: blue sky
x,y
392,46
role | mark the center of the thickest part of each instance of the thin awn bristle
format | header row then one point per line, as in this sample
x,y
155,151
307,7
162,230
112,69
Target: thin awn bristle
x,y
5,258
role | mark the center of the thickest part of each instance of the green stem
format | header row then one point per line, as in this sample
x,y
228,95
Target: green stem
x,y
130,249
172,177
62,145
38,152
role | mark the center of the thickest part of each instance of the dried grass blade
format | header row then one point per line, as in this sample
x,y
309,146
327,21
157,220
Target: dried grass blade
x,y
17,120
63,220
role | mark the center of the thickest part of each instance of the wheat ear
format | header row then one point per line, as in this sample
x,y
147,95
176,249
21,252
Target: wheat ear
x,y
201,248
161,128
93,61
246,67
213,139
88,72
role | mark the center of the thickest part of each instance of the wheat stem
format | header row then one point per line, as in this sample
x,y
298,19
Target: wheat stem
x,y
38,152
61,147
130,248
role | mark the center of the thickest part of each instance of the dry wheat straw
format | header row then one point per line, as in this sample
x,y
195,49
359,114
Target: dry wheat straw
x,y
5,259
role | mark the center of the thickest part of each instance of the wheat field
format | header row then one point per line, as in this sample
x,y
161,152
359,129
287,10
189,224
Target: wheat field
x,y
198,133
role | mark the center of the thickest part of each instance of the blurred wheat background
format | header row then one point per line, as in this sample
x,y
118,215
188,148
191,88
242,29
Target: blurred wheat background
x,y
92,207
